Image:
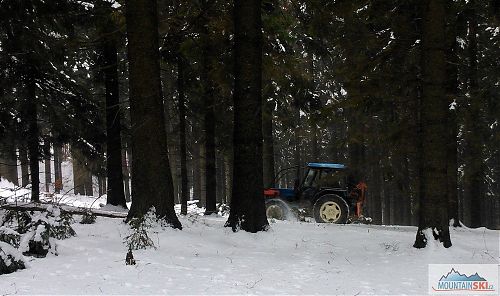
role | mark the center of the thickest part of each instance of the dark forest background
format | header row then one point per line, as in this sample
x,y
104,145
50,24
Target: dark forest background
x,y
341,82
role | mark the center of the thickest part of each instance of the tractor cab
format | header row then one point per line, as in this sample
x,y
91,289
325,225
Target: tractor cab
x,y
320,176
329,189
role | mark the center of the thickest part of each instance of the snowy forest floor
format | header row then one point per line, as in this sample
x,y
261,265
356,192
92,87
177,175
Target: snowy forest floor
x,y
206,258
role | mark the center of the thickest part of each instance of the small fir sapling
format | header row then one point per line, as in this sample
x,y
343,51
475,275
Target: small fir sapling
x,y
139,238
88,218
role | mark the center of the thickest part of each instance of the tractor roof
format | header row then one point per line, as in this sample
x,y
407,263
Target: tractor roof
x,y
326,165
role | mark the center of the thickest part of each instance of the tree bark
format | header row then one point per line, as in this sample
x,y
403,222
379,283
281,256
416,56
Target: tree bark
x,y
82,177
386,202
247,202
473,179
182,134
203,178
228,170
58,184
197,168
115,191
126,173
31,109
434,196
208,60
47,160
221,182
374,191
23,158
452,94
268,143
152,184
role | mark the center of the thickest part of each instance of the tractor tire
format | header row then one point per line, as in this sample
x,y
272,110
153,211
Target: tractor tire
x,y
331,208
277,209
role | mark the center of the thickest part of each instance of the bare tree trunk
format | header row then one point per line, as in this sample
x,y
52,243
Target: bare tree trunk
x,y
207,80
47,160
82,176
386,203
228,165
58,184
182,135
31,113
374,191
102,184
126,173
220,177
197,167
473,151
115,191
23,159
152,183
452,94
268,143
434,196
247,202
203,179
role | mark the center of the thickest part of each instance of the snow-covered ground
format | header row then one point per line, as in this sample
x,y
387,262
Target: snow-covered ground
x,y
206,258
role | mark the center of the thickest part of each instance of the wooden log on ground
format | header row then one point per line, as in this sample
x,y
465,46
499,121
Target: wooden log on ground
x,y
41,207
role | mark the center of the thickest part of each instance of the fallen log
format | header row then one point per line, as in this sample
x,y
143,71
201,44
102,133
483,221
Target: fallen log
x,y
41,207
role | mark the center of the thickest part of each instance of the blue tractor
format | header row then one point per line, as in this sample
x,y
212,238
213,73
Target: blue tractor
x,y
329,191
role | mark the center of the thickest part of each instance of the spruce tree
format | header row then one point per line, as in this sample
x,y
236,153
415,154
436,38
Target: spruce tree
x,y
247,201
151,176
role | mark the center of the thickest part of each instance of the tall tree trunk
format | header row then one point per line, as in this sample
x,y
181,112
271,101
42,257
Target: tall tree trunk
x,y
473,154
47,159
58,184
386,202
182,135
114,172
23,159
452,94
268,143
82,176
33,134
126,173
152,184
101,180
197,168
221,182
228,170
374,191
247,202
208,60
434,196
203,179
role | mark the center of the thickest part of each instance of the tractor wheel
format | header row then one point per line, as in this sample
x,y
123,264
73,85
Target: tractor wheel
x,y
331,208
277,209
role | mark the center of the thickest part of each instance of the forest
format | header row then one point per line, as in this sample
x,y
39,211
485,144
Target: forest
x,y
207,147
161,103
